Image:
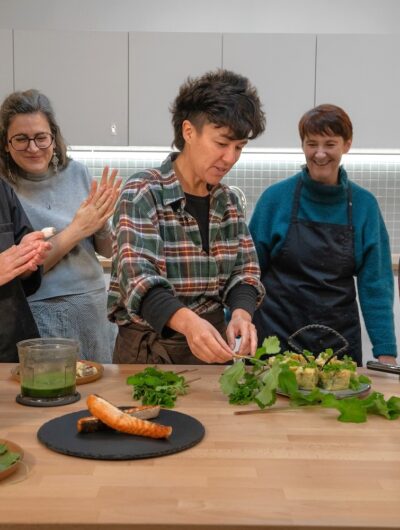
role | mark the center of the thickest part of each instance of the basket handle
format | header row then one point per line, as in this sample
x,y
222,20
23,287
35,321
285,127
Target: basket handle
x,y
341,350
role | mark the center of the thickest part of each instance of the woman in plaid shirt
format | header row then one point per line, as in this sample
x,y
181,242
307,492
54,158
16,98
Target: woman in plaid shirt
x,y
182,250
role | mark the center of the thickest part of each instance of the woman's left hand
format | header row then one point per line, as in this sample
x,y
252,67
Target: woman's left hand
x,y
241,325
94,212
104,195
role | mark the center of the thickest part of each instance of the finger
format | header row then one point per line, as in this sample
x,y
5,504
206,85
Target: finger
x,y
113,176
221,351
32,237
21,269
117,185
231,336
104,202
92,193
104,176
253,341
25,253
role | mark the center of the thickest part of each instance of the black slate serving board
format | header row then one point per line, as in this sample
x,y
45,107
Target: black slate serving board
x,y
61,435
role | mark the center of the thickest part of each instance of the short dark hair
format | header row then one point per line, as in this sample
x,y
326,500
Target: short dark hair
x,y
220,97
28,102
326,119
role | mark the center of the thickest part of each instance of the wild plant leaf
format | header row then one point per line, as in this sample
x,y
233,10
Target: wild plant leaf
x,y
245,391
3,449
231,377
287,381
351,409
270,379
393,405
272,345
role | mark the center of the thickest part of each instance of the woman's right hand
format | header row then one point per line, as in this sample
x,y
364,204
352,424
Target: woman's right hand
x,y
204,340
24,258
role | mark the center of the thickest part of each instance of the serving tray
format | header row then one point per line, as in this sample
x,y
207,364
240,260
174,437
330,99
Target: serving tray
x,y
363,389
61,435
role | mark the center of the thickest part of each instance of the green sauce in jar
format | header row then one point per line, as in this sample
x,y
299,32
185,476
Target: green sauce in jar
x,y
49,385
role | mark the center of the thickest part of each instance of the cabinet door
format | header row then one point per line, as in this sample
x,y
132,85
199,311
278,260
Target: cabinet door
x,y
282,67
158,64
85,75
6,62
361,73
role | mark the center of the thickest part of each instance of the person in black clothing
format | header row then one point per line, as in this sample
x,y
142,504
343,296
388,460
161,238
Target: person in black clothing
x,y
22,251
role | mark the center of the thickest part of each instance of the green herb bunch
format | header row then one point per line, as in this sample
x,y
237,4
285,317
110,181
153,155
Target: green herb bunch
x,y
156,387
258,383
7,457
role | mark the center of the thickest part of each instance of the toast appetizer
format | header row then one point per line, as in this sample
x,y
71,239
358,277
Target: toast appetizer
x,y
323,370
121,421
93,424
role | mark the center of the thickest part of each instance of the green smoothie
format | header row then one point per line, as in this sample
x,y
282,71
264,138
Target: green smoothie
x,y
49,385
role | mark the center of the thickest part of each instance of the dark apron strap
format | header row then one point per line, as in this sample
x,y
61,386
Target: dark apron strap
x,y
137,344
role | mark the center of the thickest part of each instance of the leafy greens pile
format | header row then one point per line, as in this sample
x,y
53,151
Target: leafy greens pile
x,y
258,383
156,387
7,457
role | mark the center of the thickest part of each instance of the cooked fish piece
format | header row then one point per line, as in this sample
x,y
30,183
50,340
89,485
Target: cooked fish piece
x,y
93,424
120,421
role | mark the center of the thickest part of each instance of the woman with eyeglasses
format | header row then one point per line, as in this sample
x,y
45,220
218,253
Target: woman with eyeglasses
x,y
59,192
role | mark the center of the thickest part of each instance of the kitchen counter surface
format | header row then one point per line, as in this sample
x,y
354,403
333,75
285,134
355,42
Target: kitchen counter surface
x,y
283,469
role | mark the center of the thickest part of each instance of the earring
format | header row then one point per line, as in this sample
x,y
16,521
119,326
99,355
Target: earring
x,y
54,161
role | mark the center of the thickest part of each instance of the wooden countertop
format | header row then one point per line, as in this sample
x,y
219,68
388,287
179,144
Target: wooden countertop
x,y
106,263
281,470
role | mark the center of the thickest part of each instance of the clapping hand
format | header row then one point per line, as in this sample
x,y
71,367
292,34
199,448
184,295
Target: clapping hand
x,y
94,212
24,258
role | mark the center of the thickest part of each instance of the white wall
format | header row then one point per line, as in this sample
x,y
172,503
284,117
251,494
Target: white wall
x,y
254,16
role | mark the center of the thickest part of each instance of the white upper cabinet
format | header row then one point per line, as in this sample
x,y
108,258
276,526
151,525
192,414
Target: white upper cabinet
x,y
158,64
361,73
6,62
282,67
85,75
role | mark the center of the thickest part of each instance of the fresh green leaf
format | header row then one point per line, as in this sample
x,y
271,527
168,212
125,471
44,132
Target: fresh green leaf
x,y
230,378
267,395
244,392
272,345
7,458
287,381
157,387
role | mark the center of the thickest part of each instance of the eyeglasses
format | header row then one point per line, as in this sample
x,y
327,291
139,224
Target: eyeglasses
x,y
21,142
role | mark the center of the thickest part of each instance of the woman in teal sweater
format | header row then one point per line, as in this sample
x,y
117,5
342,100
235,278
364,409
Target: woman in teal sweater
x,y
314,232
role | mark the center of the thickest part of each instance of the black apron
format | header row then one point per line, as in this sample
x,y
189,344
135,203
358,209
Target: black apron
x,y
16,320
311,281
139,344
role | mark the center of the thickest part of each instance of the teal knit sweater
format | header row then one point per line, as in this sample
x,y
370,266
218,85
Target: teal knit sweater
x,y
328,204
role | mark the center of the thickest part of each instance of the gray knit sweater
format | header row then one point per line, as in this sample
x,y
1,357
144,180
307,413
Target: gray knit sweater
x,y
52,200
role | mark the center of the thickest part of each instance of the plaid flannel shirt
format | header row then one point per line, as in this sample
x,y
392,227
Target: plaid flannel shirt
x,y
156,242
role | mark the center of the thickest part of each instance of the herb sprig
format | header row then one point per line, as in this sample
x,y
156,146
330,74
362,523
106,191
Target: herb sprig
x,y
156,387
258,383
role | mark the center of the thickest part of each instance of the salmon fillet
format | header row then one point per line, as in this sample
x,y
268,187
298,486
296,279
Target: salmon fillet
x,y
123,422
